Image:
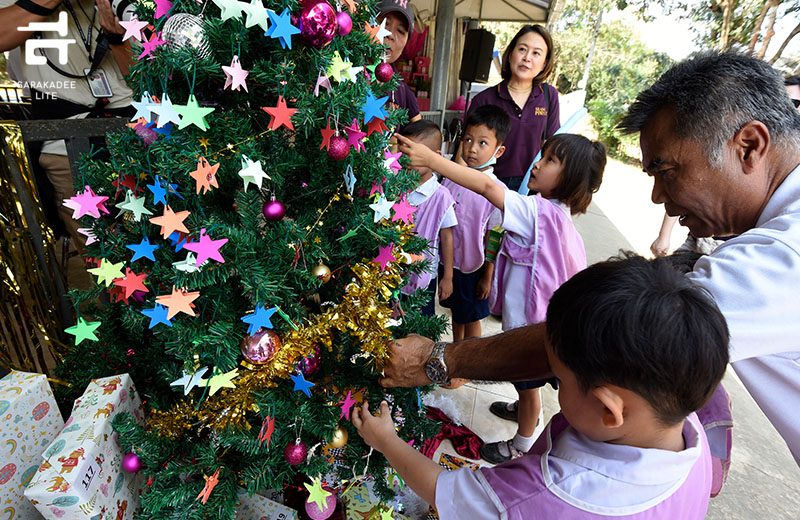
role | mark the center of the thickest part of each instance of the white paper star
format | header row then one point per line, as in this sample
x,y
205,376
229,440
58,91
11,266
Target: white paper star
x,y
252,172
382,208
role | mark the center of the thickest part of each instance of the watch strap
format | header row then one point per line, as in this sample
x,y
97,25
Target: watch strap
x,y
34,8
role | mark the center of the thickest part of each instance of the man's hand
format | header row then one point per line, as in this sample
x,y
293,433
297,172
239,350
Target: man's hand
x,y
406,366
108,20
376,430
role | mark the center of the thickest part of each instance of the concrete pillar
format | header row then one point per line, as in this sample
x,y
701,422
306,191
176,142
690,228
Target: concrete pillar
x,y
442,50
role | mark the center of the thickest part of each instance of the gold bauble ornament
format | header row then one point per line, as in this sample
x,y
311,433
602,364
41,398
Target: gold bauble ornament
x,y
323,272
339,438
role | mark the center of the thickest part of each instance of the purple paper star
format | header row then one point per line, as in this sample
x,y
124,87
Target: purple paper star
x,y
377,187
133,28
150,45
391,160
162,8
206,248
354,136
404,211
385,256
346,405
322,81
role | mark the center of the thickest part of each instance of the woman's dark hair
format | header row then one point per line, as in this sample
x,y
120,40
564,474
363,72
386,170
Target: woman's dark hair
x,y
505,70
641,325
583,163
495,118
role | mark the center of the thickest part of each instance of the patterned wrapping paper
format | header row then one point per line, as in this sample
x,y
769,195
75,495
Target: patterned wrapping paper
x,y
29,421
81,476
360,503
257,507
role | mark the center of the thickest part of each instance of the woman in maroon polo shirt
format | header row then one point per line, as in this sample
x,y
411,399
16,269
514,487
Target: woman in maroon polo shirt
x,y
399,18
527,62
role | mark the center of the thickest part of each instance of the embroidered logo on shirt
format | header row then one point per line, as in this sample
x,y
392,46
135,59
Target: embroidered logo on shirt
x,y
541,111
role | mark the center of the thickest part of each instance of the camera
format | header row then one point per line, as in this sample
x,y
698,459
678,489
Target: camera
x,y
123,9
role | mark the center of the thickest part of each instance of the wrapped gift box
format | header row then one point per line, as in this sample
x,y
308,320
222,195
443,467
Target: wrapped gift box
x,y
81,476
29,421
361,503
257,507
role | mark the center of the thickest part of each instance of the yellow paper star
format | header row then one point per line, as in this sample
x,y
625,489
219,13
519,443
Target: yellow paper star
x,y
222,381
317,494
204,142
107,272
386,514
338,66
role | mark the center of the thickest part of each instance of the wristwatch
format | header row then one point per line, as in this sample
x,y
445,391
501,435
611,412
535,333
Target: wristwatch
x,y
435,367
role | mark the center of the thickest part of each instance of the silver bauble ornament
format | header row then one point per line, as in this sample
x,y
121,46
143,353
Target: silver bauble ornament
x,y
186,30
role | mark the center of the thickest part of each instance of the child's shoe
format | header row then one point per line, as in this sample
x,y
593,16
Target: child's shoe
x,y
504,410
500,451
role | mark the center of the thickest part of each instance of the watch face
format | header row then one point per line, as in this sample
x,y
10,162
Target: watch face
x,y
435,371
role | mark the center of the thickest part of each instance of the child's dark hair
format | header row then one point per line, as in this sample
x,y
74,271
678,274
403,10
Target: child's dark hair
x,y
583,163
641,325
422,130
494,117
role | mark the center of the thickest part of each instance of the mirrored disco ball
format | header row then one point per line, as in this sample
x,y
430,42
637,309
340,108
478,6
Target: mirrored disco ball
x,y
186,30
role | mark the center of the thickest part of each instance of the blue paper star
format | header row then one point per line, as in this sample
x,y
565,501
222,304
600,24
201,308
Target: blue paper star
x,y
143,249
281,27
349,178
142,108
260,318
373,107
165,130
158,191
301,384
178,241
157,314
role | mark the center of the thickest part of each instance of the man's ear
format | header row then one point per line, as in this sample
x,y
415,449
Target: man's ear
x,y
500,151
751,143
613,404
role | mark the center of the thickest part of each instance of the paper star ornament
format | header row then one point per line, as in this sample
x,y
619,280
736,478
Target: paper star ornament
x,y
83,330
142,108
252,172
133,29
219,381
171,221
381,208
107,272
261,317
89,234
256,14
86,203
158,191
166,111
373,107
131,282
162,8
178,301
135,205
404,211
190,379
189,265
267,428
317,494
281,28
352,73
207,248
281,115
322,81
376,125
235,75
349,179
205,175
157,314
143,249
385,256
150,45
327,133
209,486
338,66
378,32
193,114
347,404
354,136
301,384
229,9
391,160
386,514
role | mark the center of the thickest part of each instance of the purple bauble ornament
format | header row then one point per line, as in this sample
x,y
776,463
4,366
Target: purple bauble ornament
x,y
384,72
274,210
345,23
261,346
131,462
310,365
338,148
318,24
295,452
313,511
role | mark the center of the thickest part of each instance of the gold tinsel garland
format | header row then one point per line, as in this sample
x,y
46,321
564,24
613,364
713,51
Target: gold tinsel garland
x,y
29,325
363,313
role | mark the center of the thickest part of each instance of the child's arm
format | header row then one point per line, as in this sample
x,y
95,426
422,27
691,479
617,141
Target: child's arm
x,y
418,471
446,251
422,156
485,283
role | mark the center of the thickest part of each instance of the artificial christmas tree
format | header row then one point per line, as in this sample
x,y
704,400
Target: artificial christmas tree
x,y
209,223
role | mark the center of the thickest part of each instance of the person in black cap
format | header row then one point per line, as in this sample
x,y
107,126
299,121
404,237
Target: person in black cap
x,y
399,18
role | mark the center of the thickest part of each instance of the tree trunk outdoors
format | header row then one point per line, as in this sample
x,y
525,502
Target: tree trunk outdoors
x,y
555,13
585,79
727,17
757,26
785,43
769,35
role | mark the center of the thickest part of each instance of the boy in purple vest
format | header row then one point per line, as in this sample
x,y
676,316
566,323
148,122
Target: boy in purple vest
x,y
637,348
433,220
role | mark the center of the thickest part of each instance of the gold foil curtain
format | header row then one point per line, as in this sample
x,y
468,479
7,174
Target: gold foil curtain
x,y
29,321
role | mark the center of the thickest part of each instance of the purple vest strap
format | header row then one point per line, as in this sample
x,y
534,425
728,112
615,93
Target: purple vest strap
x,y
427,223
717,420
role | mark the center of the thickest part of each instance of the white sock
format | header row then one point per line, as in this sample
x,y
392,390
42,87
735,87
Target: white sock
x,y
523,443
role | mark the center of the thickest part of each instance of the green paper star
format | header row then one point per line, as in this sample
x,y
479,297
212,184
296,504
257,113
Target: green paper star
x,y
386,514
135,205
338,67
83,330
107,272
350,233
317,494
229,9
221,381
193,114
371,68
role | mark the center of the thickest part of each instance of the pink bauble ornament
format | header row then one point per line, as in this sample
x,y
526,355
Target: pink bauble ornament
x,y
310,365
261,346
338,148
314,512
274,210
131,462
384,72
345,23
295,452
318,24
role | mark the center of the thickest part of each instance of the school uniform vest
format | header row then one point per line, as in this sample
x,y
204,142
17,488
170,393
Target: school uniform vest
x,y
427,223
520,486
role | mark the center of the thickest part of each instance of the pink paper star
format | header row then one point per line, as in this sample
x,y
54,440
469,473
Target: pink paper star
x,y
354,136
322,81
86,202
346,405
391,160
207,248
87,232
150,45
235,75
404,211
162,8
377,188
133,28
385,256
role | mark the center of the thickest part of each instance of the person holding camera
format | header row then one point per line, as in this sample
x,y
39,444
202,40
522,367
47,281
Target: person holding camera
x,y
74,61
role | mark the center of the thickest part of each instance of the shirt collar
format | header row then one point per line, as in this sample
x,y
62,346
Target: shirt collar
x,y
428,187
503,93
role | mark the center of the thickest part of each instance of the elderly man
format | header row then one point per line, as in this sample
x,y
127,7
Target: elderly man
x,y
721,140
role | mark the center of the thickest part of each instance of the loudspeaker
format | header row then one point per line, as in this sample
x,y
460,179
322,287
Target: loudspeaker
x,y
477,58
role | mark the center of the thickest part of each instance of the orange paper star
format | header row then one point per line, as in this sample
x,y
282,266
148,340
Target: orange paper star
x,y
205,175
281,115
351,5
211,482
372,31
131,282
178,301
171,222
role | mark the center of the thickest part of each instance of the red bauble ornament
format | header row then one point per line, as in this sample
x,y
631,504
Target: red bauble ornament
x,y
314,512
338,148
345,23
318,23
261,346
274,210
384,72
295,452
131,462
310,365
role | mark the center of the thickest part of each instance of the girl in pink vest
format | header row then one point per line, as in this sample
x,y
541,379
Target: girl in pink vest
x,y
637,348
